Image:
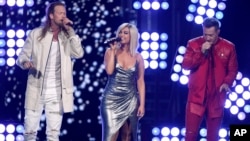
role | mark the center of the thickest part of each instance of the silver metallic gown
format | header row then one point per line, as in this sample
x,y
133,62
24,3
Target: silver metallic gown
x,y
120,102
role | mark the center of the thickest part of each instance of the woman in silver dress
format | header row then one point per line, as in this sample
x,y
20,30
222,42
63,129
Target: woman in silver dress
x,y
123,100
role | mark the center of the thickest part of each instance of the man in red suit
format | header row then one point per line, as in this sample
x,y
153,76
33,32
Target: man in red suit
x,y
213,66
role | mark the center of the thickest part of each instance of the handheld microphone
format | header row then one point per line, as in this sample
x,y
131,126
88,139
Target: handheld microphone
x,y
69,24
206,52
111,40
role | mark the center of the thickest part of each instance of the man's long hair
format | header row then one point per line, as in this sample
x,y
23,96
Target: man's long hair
x,y
46,25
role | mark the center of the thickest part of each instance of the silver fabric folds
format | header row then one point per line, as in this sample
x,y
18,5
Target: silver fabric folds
x,y
120,102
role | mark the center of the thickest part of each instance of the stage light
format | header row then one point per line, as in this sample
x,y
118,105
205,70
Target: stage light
x,y
2,128
174,77
174,139
19,129
223,133
241,116
154,46
228,104
10,42
246,95
165,139
163,46
146,5
11,61
19,43
145,54
205,9
2,52
10,137
29,3
20,3
247,109
234,110
146,63
2,137
145,36
145,45
156,131
163,64
153,55
185,72
192,8
203,2
2,43
219,15
165,5
210,13
11,3
221,6
156,139
19,138
18,51
177,68
153,64
164,36
212,4
239,89
175,131
155,5
154,36
11,52
198,19
201,10
165,131
183,79
163,55
245,81
2,33
2,62
11,33
183,131
233,96
179,59
189,17
240,102
137,5
239,76
2,2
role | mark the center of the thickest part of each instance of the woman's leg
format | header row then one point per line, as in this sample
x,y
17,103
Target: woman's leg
x,y
126,131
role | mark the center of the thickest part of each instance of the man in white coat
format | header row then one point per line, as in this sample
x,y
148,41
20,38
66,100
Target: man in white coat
x,y
47,54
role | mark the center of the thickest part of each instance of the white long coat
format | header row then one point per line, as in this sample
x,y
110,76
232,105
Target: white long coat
x,y
38,52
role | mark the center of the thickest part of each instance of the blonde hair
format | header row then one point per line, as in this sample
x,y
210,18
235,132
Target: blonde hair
x,y
134,37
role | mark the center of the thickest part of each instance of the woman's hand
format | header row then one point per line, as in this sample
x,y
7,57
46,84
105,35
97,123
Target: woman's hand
x,y
141,111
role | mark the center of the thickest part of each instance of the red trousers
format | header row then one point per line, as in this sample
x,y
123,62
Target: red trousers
x,y
193,122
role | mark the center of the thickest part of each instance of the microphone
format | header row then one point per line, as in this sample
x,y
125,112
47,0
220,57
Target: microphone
x,y
111,40
69,24
206,52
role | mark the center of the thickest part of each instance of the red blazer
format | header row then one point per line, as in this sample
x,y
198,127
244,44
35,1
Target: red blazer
x,y
224,70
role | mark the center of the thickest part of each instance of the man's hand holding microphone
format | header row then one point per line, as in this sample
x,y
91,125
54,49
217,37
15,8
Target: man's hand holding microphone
x,y
206,47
